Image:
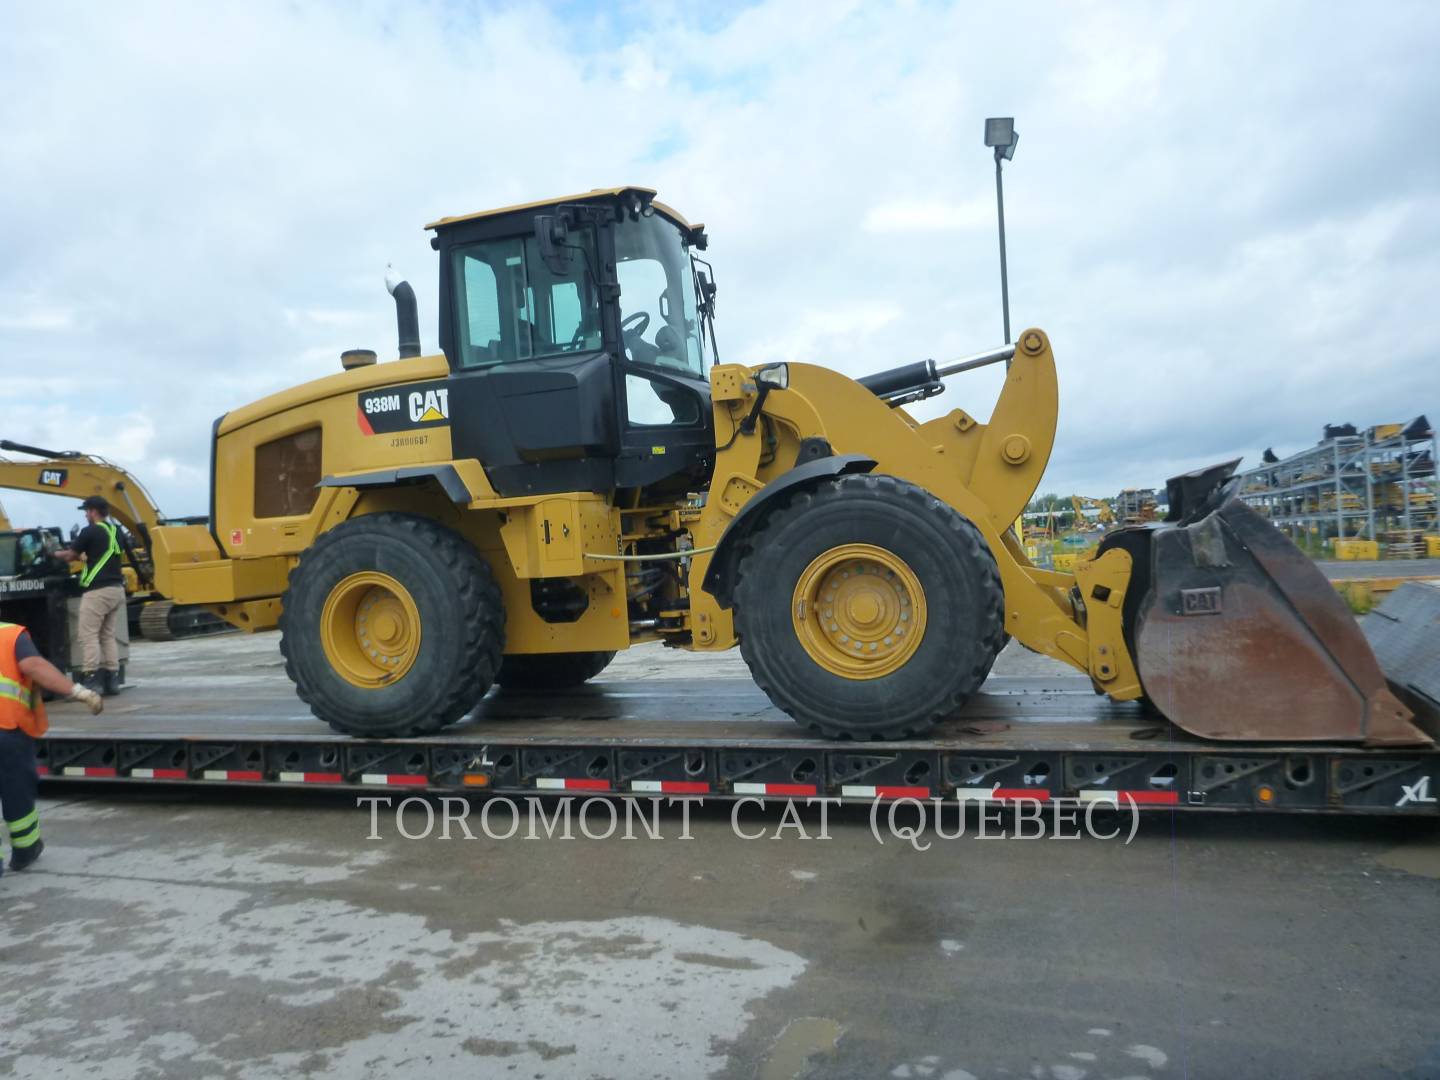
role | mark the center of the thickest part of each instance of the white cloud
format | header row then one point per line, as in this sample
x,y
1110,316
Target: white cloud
x,y
39,318
1219,211
930,217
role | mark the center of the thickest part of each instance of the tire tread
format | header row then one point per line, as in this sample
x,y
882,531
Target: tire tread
x,y
480,600
969,539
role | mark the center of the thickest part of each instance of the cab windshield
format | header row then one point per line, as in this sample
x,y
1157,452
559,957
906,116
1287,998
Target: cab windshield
x,y
659,321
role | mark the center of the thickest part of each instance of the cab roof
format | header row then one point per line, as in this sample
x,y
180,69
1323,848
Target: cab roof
x,y
648,194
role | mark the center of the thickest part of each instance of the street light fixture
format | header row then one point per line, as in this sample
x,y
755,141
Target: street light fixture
x,y
1000,133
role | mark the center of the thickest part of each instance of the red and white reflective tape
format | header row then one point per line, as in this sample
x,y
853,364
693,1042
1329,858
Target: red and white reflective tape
x,y
788,790
1000,794
1124,798
310,778
88,770
389,779
670,787
233,774
573,783
159,774
883,791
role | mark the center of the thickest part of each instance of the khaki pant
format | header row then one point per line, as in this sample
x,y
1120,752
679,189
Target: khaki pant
x,y
98,611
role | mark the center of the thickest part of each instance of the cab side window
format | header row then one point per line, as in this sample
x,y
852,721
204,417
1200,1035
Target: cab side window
x,y
512,306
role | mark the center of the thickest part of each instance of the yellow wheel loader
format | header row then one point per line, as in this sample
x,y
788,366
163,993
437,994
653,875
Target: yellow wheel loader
x,y
577,473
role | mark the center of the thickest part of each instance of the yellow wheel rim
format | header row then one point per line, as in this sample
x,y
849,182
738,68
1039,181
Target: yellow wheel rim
x,y
859,611
370,629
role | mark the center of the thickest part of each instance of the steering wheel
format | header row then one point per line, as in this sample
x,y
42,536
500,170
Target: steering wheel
x,y
641,319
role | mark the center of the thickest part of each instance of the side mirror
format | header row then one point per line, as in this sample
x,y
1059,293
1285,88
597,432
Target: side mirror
x,y
551,236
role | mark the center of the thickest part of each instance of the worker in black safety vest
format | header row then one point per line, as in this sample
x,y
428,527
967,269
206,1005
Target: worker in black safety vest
x,y
103,599
23,674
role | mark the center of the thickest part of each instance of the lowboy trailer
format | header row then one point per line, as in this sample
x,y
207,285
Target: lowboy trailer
x,y
1019,739
1031,738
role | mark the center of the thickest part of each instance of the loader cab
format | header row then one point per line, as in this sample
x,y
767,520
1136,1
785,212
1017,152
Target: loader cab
x,y
574,337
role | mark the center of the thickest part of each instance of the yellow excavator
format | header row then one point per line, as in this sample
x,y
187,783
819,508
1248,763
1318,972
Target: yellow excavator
x,y
75,475
576,471
1104,516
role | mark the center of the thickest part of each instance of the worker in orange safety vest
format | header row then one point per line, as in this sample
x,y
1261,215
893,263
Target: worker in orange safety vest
x,y
23,674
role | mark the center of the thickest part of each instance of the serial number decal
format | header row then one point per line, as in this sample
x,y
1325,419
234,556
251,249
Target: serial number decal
x,y
403,408
410,440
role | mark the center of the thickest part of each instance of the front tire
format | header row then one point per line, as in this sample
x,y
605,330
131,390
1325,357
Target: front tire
x,y
869,609
392,626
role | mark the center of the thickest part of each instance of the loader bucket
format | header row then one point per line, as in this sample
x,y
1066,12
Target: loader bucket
x,y
1238,635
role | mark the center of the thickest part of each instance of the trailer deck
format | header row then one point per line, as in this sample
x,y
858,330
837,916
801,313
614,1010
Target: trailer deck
x,y
222,712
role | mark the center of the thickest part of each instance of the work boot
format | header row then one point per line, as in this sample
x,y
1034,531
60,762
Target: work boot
x,y
91,681
21,857
110,680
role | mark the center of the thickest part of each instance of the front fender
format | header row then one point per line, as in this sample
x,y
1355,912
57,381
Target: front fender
x,y
719,579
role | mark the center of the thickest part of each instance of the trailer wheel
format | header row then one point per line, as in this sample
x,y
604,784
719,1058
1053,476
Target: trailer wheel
x,y
869,609
392,625
546,671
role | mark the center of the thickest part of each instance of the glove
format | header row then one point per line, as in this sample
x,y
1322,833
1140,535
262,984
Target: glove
x,y
89,698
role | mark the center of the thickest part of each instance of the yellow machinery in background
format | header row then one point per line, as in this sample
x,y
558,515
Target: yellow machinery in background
x,y
1351,550
1104,516
576,472
74,475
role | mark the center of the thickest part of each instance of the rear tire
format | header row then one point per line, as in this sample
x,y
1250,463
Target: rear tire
x,y
925,561
450,654
551,671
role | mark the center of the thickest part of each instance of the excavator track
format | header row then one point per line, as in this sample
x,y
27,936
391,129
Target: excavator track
x,y
164,620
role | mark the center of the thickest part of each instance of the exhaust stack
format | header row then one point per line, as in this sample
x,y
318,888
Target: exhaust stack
x,y
407,314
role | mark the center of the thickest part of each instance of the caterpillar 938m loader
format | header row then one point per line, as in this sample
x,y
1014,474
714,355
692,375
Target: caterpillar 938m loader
x,y
568,479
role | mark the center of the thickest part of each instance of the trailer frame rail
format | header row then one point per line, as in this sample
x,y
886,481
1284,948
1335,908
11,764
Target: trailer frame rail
x,y
1190,776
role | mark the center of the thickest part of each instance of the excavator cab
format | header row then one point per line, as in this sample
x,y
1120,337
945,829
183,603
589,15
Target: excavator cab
x,y
576,346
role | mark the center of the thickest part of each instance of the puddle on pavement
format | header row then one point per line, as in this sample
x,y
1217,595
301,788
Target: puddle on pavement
x,y
804,1039
1421,858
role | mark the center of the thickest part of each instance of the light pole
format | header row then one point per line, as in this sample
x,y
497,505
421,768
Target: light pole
x,y
1001,134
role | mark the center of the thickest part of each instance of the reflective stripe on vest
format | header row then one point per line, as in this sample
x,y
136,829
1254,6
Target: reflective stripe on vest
x,y
20,703
113,549
11,689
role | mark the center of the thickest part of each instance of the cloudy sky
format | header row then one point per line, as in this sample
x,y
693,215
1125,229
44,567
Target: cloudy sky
x,y
1227,215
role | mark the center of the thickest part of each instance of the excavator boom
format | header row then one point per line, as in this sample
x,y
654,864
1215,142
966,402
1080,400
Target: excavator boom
x,y
72,474
77,475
